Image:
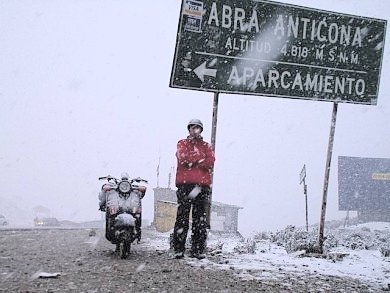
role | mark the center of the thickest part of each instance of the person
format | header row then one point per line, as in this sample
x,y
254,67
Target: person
x,y
195,162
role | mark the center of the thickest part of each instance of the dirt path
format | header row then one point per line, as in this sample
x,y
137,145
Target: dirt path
x,y
88,264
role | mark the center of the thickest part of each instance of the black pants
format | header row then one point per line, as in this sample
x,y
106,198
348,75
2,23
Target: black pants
x,y
199,219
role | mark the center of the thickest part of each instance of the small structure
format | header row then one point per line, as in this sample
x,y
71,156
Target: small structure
x,y
224,217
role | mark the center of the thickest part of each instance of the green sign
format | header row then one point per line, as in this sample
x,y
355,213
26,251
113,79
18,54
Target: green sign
x,y
276,49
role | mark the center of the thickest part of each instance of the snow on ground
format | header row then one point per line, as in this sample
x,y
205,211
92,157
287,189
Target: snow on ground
x,y
265,260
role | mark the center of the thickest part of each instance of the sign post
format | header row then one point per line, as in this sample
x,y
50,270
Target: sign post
x,y
326,178
213,140
259,47
303,179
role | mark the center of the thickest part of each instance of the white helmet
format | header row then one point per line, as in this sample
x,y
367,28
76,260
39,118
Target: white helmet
x,y
195,122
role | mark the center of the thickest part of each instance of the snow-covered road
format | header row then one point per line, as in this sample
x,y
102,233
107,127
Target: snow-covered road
x,y
72,260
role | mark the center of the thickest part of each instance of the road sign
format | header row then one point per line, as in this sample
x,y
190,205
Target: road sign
x,y
364,184
275,49
302,175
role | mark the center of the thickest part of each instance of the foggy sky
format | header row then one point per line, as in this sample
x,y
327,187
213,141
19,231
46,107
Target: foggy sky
x,y
84,93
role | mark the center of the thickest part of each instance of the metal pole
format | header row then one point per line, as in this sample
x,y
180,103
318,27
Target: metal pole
x,y
215,119
326,179
303,180
213,139
158,173
346,219
307,213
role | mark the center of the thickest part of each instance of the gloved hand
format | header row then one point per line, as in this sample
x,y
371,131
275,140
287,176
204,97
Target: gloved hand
x,y
102,207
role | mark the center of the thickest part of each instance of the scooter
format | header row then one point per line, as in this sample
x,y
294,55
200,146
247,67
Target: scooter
x,y
121,199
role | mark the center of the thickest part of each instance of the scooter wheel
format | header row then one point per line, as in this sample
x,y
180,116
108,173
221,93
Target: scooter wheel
x,y
124,249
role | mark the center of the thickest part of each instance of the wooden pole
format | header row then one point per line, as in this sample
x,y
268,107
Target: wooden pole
x,y
326,179
215,120
213,140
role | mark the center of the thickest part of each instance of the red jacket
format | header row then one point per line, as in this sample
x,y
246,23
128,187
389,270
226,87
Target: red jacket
x,y
195,162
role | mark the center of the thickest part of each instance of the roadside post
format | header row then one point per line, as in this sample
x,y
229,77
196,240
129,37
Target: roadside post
x,y
326,178
267,48
213,141
303,180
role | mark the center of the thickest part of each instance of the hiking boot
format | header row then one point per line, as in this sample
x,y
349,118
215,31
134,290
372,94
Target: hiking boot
x,y
198,255
178,255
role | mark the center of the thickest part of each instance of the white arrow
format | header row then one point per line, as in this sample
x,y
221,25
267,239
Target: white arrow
x,y
201,71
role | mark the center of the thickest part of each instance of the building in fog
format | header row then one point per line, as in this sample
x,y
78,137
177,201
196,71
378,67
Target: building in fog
x,y
364,186
224,217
